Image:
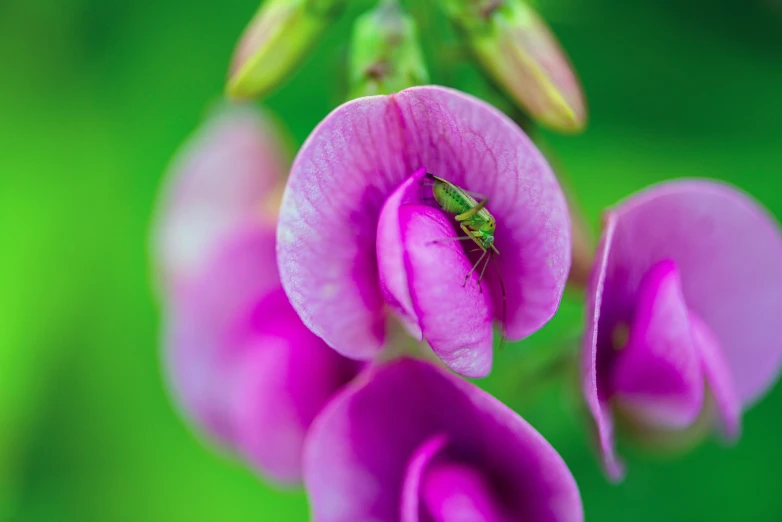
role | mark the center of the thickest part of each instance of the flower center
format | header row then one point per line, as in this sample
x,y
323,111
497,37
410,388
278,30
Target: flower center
x,y
457,492
620,335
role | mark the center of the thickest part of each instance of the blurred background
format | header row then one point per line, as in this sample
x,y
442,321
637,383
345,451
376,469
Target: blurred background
x,y
96,95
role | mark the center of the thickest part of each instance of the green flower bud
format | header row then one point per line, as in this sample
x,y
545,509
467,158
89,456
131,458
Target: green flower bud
x,y
385,55
275,42
516,47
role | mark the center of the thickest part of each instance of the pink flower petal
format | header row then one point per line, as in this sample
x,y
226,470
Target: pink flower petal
x,y
360,154
455,317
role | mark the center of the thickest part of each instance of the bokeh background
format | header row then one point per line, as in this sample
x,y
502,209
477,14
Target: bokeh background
x,y
96,95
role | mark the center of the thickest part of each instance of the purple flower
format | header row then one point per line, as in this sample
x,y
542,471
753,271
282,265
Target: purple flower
x,y
684,300
241,363
357,235
410,442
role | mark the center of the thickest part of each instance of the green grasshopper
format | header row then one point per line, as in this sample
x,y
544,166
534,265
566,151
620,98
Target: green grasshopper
x,y
476,222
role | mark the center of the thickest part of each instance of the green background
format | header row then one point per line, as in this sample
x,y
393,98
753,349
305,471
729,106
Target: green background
x,y
95,96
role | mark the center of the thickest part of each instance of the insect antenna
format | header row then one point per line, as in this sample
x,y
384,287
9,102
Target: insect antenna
x,y
504,301
476,195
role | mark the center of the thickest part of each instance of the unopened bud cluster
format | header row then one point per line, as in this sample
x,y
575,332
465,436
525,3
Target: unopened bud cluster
x,y
510,41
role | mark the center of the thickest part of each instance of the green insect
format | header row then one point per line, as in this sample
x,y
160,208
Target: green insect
x,y
476,222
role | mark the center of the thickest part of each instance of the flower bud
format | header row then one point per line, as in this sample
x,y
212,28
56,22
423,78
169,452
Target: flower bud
x,y
516,47
385,55
275,42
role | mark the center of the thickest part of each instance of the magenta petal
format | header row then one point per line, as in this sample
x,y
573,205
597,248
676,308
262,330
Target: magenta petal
x,y
419,462
358,450
357,157
718,379
454,492
391,255
217,182
455,317
657,377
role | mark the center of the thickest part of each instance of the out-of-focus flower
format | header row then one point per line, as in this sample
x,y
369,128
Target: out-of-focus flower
x,y
385,55
276,41
683,304
409,442
343,265
516,47
226,178
241,363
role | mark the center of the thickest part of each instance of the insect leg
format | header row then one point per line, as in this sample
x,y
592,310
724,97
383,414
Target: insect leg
x,y
467,277
474,210
484,267
469,234
485,264
481,247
